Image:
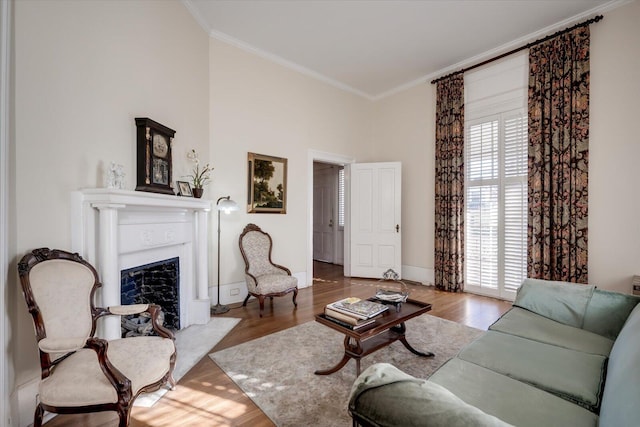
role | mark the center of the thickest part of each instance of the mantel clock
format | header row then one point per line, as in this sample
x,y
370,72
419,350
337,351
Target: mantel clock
x,y
153,156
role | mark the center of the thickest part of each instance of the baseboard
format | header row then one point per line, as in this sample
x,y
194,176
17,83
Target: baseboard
x,y
421,275
26,396
236,292
232,293
302,279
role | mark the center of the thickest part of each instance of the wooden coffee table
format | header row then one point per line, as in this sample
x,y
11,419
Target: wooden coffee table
x,y
387,329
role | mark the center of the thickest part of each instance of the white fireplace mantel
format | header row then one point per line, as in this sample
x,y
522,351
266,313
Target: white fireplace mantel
x,y
119,229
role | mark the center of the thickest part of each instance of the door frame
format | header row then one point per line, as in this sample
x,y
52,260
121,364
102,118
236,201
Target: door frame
x,y
5,124
329,174
340,160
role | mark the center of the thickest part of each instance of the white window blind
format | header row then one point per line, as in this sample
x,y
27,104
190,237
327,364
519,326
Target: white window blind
x,y
481,218
341,198
515,200
496,202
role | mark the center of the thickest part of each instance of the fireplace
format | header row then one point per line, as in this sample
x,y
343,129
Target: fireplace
x,y
119,230
156,283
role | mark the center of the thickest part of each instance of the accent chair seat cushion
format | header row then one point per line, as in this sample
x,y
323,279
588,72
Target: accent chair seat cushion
x,y
275,283
79,381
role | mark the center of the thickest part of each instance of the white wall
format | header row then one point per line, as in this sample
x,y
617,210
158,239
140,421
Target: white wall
x,y
83,71
614,150
404,130
262,107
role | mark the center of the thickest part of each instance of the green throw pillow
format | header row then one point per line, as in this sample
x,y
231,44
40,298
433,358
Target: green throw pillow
x,y
607,311
560,301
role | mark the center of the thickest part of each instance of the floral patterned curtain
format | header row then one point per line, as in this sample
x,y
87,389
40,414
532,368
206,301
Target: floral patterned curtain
x,y
559,157
449,191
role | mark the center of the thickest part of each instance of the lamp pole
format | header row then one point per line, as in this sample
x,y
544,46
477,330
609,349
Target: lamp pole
x,y
227,205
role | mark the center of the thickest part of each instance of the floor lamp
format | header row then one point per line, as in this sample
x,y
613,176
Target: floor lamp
x,y
226,205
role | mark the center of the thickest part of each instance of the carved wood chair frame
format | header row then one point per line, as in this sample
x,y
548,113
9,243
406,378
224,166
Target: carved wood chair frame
x,y
261,297
119,381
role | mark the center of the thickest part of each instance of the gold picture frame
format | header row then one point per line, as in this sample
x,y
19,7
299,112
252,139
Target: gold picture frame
x,y
267,189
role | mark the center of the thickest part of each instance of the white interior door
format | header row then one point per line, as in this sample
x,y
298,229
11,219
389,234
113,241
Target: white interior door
x,y
376,233
324,218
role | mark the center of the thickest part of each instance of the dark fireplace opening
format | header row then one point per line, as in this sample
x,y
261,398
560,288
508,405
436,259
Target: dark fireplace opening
x,y
155,283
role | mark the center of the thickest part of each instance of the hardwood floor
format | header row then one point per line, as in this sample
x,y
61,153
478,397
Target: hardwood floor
x,y
206,396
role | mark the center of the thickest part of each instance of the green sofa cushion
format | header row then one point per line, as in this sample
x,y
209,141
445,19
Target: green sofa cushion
x,y
510,400
620,406
570,374
560,301
525,324
385,396
607,311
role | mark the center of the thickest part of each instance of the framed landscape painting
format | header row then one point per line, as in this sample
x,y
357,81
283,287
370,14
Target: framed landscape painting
x,y
267,190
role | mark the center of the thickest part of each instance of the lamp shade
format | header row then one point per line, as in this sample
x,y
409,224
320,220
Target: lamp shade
x,y
227,205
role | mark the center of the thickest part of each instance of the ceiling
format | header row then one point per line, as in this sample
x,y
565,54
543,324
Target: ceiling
x,y
375,48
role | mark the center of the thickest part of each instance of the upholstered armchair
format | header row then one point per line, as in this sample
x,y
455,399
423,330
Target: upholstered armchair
x,y
82,373
263,277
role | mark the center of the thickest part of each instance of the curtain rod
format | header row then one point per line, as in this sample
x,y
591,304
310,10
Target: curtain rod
x,y
518,49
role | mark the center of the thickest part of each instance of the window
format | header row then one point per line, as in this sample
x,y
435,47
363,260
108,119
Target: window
x,y
496,178
341,198
496,202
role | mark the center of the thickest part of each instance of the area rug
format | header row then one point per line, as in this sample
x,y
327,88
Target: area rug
x,y
277,371
192,344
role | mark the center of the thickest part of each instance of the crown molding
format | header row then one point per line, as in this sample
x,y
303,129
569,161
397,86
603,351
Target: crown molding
x,y
606,7
286,63
195,12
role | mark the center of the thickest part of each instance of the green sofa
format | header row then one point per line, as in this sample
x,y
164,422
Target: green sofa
x,y
563,355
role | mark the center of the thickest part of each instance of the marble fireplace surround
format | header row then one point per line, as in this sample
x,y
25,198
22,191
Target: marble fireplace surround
x,y
118,229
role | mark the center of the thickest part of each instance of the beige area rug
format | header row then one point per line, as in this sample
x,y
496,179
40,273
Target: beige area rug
x,y
192,344
276,371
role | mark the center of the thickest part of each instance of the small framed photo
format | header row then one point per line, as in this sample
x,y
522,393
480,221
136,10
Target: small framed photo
x,y
184,189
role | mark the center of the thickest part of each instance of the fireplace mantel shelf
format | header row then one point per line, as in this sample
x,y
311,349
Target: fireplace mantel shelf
x,y
142,198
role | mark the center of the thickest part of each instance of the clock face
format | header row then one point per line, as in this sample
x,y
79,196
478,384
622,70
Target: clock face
x,y
160,146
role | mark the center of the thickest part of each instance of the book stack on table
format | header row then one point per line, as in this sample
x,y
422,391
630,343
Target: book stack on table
x,y
353,313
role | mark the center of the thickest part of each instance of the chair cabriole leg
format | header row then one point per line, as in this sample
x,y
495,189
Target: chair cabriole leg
x,y
124,414
37,416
